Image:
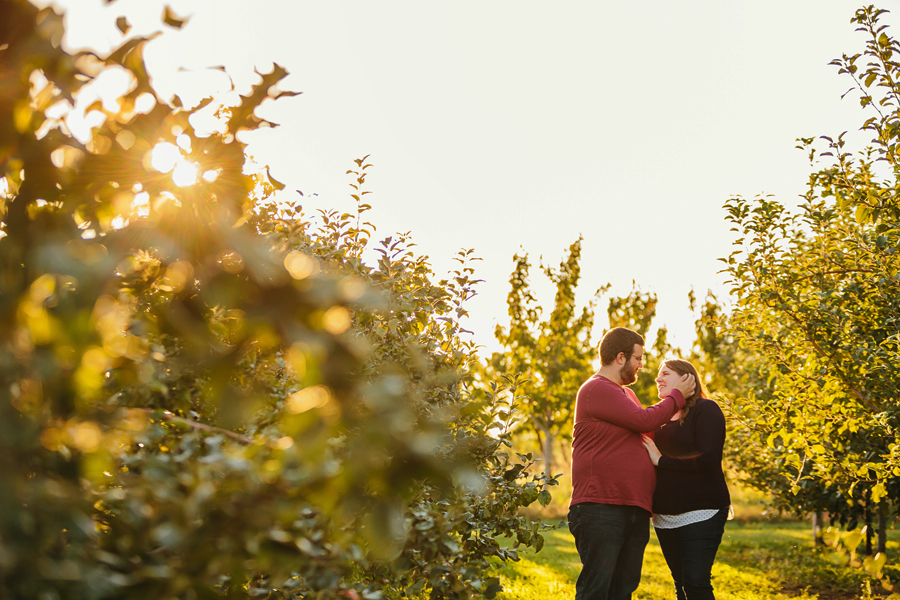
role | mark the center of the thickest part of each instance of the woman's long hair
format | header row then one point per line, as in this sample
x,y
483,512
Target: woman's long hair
x,y
683,367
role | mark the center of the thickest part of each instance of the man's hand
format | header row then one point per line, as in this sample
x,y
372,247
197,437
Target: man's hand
x,y
650,445
687,386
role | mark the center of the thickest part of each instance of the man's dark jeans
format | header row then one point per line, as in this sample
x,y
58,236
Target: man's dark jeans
x,y
610,539
690,552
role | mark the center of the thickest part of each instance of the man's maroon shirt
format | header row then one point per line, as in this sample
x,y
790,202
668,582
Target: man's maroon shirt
x,y
609,462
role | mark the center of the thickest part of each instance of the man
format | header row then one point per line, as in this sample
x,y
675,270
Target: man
x,y
612,476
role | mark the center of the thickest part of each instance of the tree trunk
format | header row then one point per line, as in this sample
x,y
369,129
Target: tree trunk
x,y
548,452
869,532
882,528
817,528
566,453
537,433
545,439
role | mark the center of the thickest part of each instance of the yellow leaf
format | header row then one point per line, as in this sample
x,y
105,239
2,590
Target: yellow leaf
x,y
874,564
852,538
878,492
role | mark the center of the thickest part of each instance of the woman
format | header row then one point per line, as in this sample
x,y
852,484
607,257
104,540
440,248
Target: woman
x,y
691,501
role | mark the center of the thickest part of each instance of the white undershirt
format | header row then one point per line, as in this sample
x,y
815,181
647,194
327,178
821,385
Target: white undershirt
x,y
688,518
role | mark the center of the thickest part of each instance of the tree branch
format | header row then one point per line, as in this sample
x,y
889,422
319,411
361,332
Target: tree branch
x,y
202,426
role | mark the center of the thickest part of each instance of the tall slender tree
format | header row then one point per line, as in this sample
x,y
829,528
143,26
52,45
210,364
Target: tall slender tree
x,y
555,354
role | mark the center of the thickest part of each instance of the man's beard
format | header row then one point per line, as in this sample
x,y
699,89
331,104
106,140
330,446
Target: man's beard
x,y
628,375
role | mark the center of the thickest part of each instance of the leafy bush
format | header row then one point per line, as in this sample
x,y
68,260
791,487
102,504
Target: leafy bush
x,y
205,394
816,301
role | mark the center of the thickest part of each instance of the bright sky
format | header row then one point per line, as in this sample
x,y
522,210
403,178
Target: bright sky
x,y
499,125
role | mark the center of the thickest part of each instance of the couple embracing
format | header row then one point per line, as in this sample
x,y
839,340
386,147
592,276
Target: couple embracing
x,y
630,463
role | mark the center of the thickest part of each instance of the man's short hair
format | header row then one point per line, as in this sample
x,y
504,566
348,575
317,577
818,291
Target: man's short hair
x,y
618,339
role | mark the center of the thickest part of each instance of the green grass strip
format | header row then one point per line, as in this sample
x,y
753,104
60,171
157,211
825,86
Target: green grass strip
x,y
757,561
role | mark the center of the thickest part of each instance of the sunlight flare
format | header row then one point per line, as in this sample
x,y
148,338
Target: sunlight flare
x,y
164,156
167,157
185,173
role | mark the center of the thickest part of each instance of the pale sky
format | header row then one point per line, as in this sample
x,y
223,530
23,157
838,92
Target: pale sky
x,y
496,125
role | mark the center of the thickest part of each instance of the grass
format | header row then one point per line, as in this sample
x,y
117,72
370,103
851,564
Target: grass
x,y
758,560
763,556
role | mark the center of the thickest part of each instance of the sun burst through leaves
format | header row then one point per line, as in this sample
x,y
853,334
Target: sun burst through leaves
x,y
167,157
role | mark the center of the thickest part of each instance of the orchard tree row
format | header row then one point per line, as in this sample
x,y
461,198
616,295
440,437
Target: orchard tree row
x,y
554,354
807,359
205,392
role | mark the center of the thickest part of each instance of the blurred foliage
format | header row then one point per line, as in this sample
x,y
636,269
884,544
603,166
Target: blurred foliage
x,y
816,294
205,394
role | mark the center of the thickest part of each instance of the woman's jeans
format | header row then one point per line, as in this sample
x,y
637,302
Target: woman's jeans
x,y
610,539
690,552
